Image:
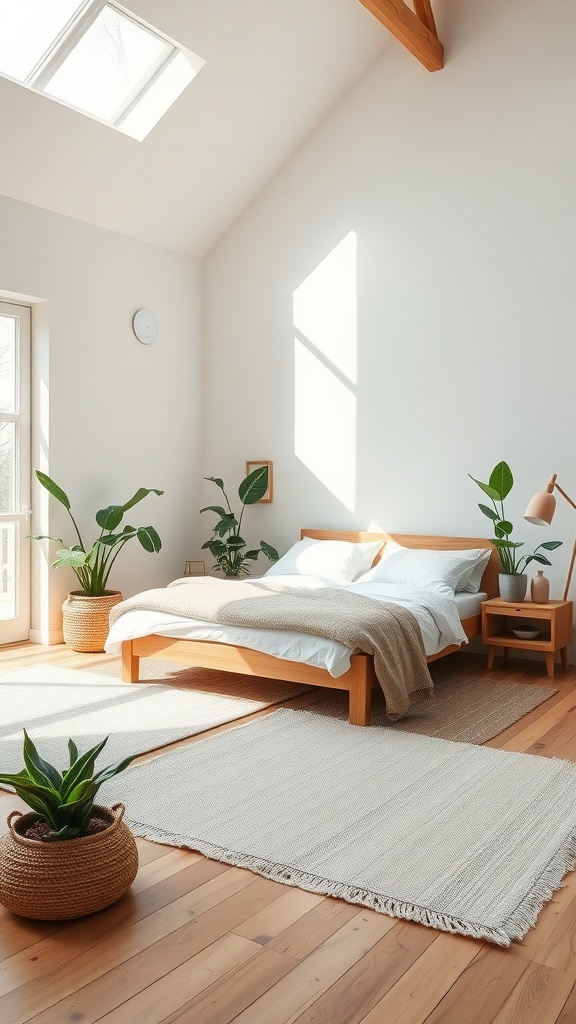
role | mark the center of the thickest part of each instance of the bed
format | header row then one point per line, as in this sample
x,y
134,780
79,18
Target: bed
x,y
359,679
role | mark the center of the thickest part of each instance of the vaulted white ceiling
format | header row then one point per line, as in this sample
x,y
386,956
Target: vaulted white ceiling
x,y
274,69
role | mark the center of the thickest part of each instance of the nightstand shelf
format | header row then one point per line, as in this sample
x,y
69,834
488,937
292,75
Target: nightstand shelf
x,y
554,620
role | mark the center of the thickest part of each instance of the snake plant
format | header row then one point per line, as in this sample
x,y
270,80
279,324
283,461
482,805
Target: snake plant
x,y
65,799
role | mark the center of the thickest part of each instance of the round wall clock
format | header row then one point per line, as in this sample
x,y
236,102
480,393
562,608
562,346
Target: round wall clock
x,y
144,326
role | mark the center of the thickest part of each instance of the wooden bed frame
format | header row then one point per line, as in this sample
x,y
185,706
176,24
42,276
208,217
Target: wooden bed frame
x,y
358,680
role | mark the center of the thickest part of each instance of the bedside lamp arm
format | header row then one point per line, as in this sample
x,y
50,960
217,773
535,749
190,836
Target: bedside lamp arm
x,y
564,495
551,486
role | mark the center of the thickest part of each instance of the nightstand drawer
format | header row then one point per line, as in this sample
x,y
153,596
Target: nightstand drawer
x,y
518,612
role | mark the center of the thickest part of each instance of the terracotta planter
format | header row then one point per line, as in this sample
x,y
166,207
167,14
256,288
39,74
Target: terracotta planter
x,y
68,878
85,619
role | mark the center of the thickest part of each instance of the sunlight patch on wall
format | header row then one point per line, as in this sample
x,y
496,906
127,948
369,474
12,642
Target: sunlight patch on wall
x,y
325,425
325,369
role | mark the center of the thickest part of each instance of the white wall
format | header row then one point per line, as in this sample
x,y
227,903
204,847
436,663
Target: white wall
x,y
121,415
420,248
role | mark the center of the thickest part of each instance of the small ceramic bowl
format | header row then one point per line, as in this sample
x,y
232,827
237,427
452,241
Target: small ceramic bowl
x,y
526,634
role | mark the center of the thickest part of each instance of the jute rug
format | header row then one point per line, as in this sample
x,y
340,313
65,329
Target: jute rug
x,y
54,704
463,707
455,836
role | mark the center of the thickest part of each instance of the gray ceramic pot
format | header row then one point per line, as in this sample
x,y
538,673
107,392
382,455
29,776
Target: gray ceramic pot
x,y
512,586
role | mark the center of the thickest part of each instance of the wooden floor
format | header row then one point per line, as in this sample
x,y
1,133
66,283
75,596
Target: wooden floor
x,y
199,942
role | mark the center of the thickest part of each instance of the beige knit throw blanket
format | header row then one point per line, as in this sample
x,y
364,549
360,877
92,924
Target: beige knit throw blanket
x,y
388,632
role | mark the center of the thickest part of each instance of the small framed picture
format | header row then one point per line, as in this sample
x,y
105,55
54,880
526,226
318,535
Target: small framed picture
x,y
193,568
257,464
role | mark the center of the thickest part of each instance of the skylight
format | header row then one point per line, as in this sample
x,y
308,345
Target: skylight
x,y
95,57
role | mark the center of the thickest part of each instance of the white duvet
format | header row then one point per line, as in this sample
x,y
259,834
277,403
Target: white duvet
x,y
436,614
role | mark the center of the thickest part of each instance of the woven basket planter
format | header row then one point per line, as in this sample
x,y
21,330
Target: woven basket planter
x,y
69,878
85,619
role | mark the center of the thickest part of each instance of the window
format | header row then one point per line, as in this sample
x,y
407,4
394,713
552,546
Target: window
x,y
95,57
14,472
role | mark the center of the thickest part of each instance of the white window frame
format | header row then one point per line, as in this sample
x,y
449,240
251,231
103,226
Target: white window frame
x,y
18,627
63,45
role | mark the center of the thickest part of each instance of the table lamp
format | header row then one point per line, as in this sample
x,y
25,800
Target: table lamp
x,y
541,510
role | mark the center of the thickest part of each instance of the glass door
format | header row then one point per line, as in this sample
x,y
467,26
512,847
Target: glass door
x,y
14,472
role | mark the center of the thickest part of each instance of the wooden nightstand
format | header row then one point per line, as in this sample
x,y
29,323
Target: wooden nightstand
x,y
554,620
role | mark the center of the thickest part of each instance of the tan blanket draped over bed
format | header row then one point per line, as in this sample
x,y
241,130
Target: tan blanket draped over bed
x,y
387,631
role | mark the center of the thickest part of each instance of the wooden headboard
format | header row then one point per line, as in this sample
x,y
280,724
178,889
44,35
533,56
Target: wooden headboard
x,y
489,583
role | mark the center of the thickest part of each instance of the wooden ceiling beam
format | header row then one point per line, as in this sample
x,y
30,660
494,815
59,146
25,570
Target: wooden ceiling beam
x,y
416,30
423,9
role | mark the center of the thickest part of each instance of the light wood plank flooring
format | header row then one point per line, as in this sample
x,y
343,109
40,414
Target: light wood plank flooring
x,y
202,943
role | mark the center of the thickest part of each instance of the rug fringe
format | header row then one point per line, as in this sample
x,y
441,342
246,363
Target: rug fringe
x,y
544,887
516,927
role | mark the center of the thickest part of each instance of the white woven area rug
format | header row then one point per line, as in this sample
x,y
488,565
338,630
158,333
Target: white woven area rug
x,y
459,837
54,704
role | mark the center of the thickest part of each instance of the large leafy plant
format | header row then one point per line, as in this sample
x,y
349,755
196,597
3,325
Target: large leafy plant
x,y
227,546
498,487
93,564
65,800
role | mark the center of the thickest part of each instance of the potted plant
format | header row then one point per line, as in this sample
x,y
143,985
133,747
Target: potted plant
x,y
86,611
68,857
227,546
512,580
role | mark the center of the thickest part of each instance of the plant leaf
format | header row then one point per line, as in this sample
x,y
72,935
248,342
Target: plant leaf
x,y
252,554
74,559
83,791
215,547
269,551
73,751
489,512
109,518
215,508
503,527
254,486
538,558
53,489
112,539
486,488
501,480
508,543
44,536
37,797
113,769
216,480
82,769
149,539
66,832
141,493
13,779
236,542
551,545
38,769
225,525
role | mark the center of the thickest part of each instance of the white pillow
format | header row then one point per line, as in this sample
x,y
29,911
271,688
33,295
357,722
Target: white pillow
x,y
472,584
435,570
337,560
475,558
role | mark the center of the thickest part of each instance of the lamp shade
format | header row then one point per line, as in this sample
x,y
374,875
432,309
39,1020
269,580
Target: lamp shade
x,y
541,509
